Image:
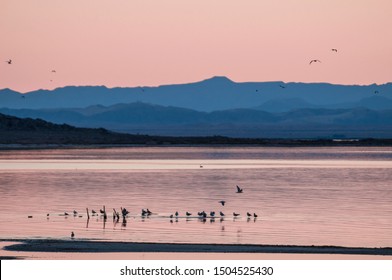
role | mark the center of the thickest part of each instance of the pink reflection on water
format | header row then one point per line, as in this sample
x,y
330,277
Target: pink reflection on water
x,y
303,201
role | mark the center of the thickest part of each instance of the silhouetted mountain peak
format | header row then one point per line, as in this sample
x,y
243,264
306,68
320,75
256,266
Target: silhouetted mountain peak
x,y
219,80
8,91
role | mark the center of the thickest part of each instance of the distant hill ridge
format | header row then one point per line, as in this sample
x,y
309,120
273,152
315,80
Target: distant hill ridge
x,y
32,133
216,93
173,121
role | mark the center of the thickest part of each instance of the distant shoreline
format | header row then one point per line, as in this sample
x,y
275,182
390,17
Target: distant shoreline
x,y
88,246
235,143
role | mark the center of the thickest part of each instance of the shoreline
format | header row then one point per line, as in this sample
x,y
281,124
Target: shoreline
x,y
267,144
89,246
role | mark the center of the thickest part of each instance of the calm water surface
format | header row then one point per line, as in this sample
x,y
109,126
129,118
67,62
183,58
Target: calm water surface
x,y
303,196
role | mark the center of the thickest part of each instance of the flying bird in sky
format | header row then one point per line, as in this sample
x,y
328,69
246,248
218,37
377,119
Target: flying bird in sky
x,y
9,61
334,50
222,202
53,71
314,60
239,190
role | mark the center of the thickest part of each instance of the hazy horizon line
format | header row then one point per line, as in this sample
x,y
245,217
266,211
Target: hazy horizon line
x,y
192,82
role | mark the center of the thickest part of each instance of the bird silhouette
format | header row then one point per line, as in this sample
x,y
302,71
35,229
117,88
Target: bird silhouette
x,y
235,214
93,212
376,91
188,214
124,211
66,214
9,61
72,234
75,212
314,60
221,213
239,190
176,214
54,71
248,214
334,50
255,215
222,202
282,86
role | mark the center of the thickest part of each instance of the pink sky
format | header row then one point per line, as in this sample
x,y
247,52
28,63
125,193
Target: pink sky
x,y
144,42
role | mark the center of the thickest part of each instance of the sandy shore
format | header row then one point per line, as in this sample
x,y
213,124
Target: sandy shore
x,y
88,246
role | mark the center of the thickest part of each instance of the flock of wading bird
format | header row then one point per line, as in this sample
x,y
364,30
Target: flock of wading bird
x,y
146,213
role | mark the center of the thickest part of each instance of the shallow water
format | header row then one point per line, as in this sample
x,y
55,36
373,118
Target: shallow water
x,y
303,196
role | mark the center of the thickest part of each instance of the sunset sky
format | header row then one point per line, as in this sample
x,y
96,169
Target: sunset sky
x,y
132,43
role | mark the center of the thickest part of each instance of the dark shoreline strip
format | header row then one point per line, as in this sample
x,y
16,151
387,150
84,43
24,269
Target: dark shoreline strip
x,y
77,246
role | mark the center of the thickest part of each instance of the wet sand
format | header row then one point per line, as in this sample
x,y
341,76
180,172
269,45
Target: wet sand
x,y
87,249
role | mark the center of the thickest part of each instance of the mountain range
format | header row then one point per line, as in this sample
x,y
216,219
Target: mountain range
x,y
173,121
25,133
217,93
216,106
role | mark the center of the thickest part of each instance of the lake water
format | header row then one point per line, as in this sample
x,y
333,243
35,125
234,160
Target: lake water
x,y
303,196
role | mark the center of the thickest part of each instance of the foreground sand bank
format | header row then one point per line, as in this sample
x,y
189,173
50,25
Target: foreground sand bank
x,y
87,246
